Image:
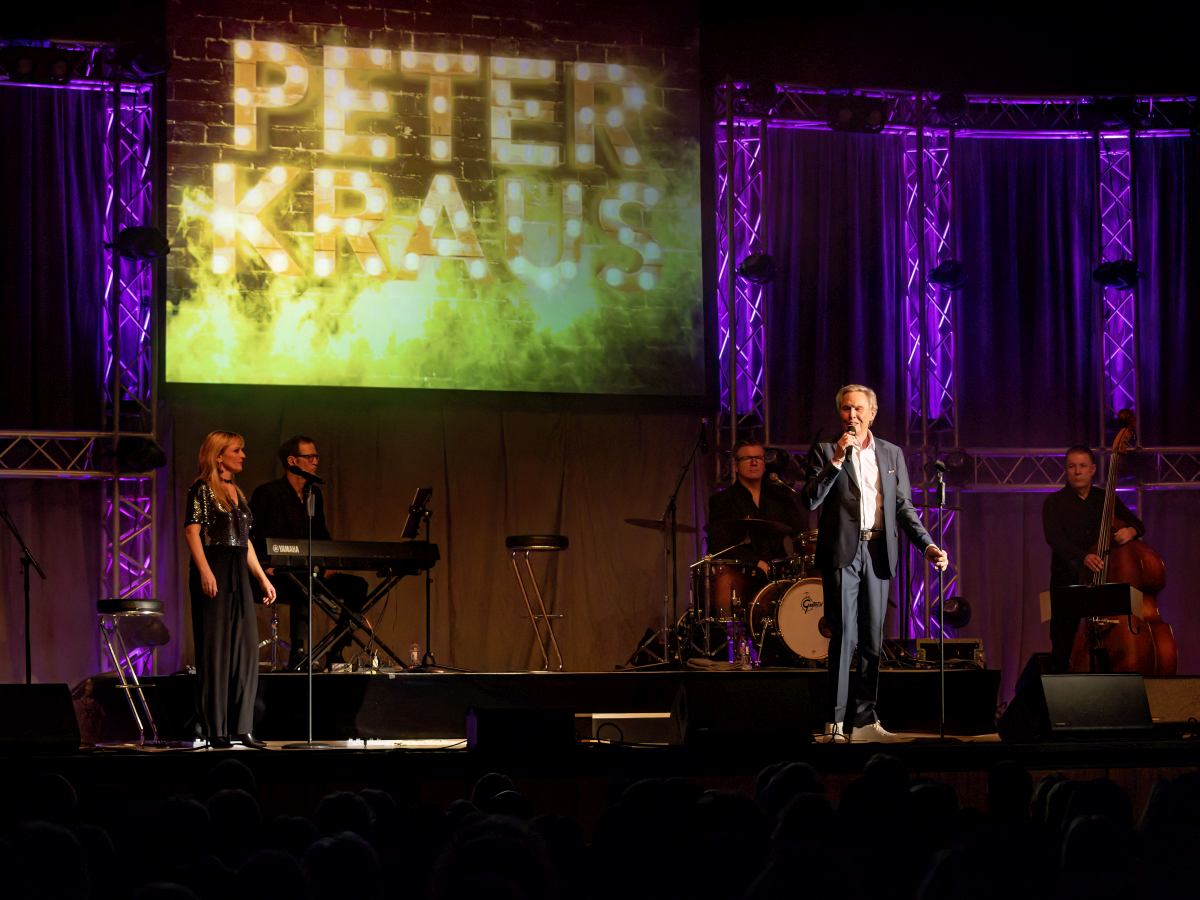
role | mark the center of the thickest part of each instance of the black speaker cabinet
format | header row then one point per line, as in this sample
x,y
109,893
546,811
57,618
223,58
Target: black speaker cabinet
x,y
37,718
526,730
1079,707
727,714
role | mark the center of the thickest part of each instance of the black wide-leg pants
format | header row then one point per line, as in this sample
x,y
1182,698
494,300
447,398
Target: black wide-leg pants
x,y
225,631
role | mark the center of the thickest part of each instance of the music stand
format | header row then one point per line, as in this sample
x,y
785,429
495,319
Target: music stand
x,y
418,512
1091,601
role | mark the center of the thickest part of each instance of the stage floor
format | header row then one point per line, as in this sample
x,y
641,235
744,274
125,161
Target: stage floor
x,y
407,733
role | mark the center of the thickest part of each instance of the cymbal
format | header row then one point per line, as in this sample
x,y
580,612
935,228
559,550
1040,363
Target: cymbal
x,y
770,526
660,525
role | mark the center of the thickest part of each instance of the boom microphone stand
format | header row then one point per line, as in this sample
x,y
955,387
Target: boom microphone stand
x,y
670,551
27,560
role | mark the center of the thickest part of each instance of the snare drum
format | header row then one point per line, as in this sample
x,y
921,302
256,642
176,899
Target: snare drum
x,y
791,613
720,589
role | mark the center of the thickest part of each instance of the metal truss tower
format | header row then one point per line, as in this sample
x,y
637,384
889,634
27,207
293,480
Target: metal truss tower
x,y
130,549
741,330
127,337
930,401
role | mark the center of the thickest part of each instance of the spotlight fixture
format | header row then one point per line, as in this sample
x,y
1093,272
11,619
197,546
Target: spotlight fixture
x,y
1110,113
144,62
757,268
951,107
40,65
854,112
957,611
140,242
779,462
1119,273
133,454
950,275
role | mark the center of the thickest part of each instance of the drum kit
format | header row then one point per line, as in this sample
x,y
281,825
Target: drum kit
x,y
744,617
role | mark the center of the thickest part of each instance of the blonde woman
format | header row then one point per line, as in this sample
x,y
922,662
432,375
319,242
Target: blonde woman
x,y
217,530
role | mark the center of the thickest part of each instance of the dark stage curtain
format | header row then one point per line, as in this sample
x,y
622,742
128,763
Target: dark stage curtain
x,y
1027,331
52,194
833,208
52,198
1168,202
495,470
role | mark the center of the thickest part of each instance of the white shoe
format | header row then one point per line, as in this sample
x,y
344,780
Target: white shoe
x,y
873,733
832,734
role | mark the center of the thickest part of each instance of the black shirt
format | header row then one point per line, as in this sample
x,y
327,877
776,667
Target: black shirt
x,y
279,512
735,502
1072,528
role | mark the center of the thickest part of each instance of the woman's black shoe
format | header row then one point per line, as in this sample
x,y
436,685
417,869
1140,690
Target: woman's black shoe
x,y
249,740
220,743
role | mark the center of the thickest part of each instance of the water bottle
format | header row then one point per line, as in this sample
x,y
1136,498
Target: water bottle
x,y
744,653
414,654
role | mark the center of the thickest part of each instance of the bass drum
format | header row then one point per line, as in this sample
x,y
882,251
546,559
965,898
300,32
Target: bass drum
x,y
787,621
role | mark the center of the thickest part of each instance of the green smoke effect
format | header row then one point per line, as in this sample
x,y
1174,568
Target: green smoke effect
x,y
445,329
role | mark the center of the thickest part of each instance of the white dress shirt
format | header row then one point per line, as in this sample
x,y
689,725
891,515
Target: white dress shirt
x,y
870,494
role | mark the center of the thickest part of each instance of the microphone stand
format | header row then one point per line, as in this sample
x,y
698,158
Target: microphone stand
x,y
671,599
941,506
310,507
27,560
428,660
670,541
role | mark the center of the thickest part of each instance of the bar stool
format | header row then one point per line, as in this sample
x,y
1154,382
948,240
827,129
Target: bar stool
x,y
110,612
526,545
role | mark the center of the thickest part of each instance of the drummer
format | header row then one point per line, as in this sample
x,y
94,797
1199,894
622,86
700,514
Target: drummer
x,y
752,496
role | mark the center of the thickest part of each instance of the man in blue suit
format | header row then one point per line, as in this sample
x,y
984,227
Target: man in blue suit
x,y
860,483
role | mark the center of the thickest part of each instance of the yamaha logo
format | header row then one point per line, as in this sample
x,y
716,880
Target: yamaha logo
x,y
285,548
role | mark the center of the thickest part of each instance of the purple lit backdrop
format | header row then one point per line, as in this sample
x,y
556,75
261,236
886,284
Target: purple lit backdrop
x,y
1027,343
1027,330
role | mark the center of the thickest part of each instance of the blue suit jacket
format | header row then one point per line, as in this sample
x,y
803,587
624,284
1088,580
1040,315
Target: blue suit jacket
x,y
836,492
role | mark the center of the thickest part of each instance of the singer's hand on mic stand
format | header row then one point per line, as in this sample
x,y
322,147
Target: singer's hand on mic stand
x,y
936,555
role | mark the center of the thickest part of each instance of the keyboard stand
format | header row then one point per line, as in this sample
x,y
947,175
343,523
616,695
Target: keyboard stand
x,y
333,607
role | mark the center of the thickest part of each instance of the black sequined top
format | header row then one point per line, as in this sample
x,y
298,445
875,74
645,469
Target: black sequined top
x,y
219,526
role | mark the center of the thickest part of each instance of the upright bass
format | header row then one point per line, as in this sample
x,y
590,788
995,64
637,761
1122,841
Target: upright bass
x,y
1145,643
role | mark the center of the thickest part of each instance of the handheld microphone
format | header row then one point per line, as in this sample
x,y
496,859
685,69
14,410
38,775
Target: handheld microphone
x,y
779,481
307,476
939,469
704,435
850,429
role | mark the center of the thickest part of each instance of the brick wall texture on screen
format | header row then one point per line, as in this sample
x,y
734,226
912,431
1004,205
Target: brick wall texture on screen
x,y
201,112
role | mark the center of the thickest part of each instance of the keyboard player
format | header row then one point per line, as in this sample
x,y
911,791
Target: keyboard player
x,y
278,508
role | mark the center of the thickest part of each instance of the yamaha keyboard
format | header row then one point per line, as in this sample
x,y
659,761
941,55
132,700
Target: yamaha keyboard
x,y
398,557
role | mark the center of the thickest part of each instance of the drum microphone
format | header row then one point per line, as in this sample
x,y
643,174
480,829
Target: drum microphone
x,y
307,476
779,481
